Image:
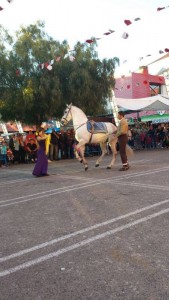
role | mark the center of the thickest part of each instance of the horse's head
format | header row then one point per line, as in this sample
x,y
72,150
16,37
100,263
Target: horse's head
x,y
67,115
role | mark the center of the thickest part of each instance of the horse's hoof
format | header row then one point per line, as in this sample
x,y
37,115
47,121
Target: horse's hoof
x,y
96,165
86,168
108,168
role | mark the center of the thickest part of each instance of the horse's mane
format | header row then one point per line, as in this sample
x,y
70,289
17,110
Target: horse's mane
x,y
78,111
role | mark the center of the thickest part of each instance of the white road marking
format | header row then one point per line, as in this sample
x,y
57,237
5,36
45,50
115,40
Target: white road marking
x,y
68,236
8,182
150,186
13,181
80,244
76,187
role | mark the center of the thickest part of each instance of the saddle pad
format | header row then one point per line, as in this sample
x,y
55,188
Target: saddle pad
x,y
99,127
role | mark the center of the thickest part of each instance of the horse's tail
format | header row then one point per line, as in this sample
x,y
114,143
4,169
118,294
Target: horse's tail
x,y
129,150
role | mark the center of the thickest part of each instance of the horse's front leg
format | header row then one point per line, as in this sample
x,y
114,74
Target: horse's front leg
x,y
81,147
103,149
114,152
77,154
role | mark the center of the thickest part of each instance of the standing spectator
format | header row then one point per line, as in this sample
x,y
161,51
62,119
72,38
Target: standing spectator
x,y
54,146
30,136
62,143
151,133
32,150
11,143
122,134
16,149
22,152
4,152
69,144
142,139
130,138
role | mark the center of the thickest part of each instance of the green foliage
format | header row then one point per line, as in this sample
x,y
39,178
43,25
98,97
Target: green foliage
x,y
33,94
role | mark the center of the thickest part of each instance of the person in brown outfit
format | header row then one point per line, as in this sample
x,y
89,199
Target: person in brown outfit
x,y
122,134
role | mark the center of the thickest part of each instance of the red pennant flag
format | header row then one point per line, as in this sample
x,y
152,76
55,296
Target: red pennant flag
x,y
17,72
160,8
58,58
127,22
89,41
107,33
46,64
166,50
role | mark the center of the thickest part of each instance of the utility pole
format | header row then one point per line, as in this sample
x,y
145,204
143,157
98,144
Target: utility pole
x,y
4,128
114,108
19,126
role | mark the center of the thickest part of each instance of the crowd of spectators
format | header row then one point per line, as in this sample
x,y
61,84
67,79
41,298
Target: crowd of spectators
x,y
148,136
22,148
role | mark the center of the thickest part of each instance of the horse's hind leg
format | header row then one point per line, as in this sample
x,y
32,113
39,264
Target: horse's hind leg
x,y
103,149
114,151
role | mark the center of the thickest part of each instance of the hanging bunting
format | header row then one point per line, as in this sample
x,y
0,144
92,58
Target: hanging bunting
x,y
125,35
160,8
137,19
127,22
89,41
17,72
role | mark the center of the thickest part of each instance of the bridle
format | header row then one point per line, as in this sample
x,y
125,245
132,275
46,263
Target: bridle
x,y
68,111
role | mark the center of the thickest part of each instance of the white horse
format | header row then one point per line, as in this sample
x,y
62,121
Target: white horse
x,y
83,136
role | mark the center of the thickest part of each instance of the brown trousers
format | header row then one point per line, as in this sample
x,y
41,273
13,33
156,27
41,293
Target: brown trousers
x,y
123,139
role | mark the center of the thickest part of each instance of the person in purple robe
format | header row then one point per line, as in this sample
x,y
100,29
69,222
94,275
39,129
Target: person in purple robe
x,y
41,166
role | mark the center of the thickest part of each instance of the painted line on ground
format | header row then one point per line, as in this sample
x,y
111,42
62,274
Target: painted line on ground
x,y
80,244
75,187
82,231
8,182
150,186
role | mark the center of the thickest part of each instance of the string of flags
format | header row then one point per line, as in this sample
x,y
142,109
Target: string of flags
x,y
49,65
125,35
9,1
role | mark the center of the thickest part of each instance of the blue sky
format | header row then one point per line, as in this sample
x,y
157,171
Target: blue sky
x,y
77,20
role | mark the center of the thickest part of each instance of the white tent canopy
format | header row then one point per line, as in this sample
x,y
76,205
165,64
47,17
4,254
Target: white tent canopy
x,y
158,102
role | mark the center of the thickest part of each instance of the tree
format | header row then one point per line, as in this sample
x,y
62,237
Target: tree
x,y
34,94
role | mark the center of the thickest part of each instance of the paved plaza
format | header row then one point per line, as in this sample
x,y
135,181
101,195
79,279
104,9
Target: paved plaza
x,y
95,235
